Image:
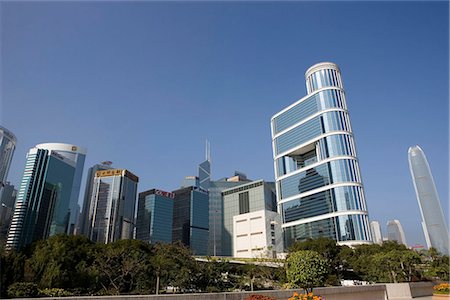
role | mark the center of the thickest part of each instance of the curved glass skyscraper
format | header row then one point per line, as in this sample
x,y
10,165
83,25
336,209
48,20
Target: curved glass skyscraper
x,y
433,222
318,182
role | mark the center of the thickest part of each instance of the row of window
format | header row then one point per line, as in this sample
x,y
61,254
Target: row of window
x,y
330,146
336,199
336,171
317,102
326,122
323,78
340,228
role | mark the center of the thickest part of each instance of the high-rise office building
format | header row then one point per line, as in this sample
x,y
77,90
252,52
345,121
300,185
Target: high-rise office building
x,y
155,216
216,209
433,221
111,213
78,155
83,221
204,170
7,147
43,201
318,182
395,232
245,198
190,218
376,232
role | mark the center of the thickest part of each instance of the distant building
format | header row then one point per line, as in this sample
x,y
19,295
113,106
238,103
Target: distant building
x,y
7,147
319,188
204,170
43,201
190,218
433,221
216,209
395,232
155,216
83,221
242,199
190,181
376,232
78,155
111,214
7,200
257,235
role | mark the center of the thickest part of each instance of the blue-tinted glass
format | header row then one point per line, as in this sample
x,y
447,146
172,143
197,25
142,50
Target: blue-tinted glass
x,y
327,122
336,199
317,102
332,172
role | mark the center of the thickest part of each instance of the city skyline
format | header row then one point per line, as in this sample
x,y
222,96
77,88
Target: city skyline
x,y
145,84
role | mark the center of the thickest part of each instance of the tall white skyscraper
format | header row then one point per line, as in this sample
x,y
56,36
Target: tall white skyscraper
x,y
395,232
376,232
433,222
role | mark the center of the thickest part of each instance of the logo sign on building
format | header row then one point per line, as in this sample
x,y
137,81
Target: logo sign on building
x,y
165,194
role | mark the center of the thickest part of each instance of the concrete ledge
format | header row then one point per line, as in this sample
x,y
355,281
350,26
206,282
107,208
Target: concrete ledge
x,y
398,291
391,291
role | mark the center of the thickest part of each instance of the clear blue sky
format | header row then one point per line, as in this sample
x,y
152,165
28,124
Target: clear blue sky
x,y
144,84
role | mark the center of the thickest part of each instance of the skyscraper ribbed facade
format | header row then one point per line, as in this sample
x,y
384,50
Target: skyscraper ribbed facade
x,y
111,213
433,221
7,147
43,201
78,155
318,181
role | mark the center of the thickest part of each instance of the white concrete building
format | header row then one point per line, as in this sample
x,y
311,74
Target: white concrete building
x,y
376,232
257,235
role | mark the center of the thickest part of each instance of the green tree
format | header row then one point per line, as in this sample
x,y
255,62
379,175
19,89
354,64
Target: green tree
x,y
11,269
436,265
121,264
62,261
306,269
329,250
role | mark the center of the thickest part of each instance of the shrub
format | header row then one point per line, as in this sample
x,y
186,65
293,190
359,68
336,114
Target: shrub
x,y
54,292
443,288
23,290
259,297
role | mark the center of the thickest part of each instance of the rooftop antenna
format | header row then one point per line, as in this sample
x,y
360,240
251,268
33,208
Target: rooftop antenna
x,y
208,151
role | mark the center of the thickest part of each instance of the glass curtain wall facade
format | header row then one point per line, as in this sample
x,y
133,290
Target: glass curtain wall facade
x,y
249,197
155,216
83,221
216,212
111,215
7,147
190,219
43,200
318,182
433,221
78,155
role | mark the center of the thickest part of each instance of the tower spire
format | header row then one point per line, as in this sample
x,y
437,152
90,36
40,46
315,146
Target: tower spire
x,y
208,151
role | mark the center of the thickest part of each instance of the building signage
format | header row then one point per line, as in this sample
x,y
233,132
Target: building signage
x,y
165,194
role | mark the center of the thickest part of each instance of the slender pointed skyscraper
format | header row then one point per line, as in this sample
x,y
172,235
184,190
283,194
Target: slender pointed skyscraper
x,y
433,222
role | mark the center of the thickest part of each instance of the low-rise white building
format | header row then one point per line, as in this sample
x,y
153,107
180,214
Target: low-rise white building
x,y
257,235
